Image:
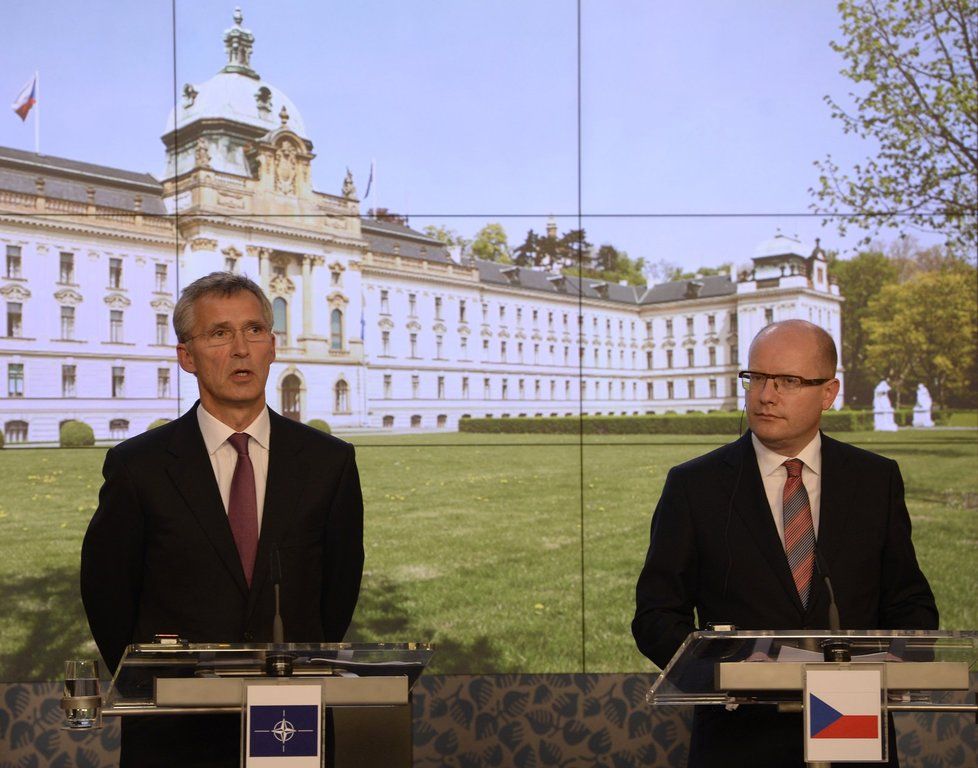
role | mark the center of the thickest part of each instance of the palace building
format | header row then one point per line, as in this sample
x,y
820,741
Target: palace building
x,y
377,325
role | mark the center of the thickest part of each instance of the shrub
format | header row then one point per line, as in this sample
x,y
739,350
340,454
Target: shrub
x,y
319,424
76,434
1,439
716,423
157,423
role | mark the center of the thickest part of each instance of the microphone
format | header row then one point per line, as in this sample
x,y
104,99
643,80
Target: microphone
x,y
833,649
278,630
278,663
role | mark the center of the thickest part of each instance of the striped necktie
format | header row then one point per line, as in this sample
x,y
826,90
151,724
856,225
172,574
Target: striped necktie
x,y
799,532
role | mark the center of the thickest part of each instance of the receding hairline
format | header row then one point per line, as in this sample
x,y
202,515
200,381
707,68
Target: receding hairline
x,y
824,343
220,284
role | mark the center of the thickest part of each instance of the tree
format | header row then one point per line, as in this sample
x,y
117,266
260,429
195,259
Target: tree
x,y
490,244
449,237
860,280
678,273
613,266
926,331
551,251
915,64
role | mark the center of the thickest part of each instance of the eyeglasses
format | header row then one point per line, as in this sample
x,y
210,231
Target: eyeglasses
x,y
782,382
255,333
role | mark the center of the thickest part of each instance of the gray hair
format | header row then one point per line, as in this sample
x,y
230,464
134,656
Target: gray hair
x,y
215,284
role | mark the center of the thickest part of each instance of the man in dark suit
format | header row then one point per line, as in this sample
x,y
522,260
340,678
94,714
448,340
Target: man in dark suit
x,y
734,533
190,513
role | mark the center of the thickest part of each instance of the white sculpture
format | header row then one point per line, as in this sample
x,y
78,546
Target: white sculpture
x,y
922,408
883,409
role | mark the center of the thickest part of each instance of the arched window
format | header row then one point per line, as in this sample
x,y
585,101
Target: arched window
x,y
280,316
416,421
15,431
291,387
388,422
336,329
341,397
118,429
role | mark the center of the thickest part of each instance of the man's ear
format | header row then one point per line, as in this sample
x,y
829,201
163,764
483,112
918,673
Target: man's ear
x,y
186,359
829,394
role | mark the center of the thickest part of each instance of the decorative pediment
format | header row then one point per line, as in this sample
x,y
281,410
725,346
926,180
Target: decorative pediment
x,y
689,342
519,334
15,292
536,336
413,325
711,338
464,330
648,344
439,328
69,297
117,301
162,305
669,343
41,248
386,324
337,298
203,244
281,285
231,252
552,337
503,333
486,332
336,267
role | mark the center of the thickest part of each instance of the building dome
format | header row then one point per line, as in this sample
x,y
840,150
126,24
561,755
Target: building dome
x,y
782,245
237,93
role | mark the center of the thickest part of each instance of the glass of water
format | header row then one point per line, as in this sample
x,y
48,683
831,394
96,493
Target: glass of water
x,y
81,694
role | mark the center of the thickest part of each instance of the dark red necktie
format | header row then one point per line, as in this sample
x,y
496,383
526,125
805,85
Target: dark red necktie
x,y
243,506
799,532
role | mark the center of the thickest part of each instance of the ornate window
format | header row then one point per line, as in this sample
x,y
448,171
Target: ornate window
x,y
388,422
162,382
336,329
67,322
115,325
66,273
115,273
162,330
118,381
118,429
341,397
15,380
15,431
161,277
15,319
68,378
280,319
13,261
291,391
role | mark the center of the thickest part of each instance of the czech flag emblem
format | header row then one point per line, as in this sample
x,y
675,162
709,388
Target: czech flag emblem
x,y
26,99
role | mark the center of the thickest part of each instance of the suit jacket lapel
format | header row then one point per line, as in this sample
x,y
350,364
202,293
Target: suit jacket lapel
x,y
193,476
837,485
750,502
283,489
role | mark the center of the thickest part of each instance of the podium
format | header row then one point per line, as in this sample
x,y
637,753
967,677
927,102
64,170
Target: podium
x,y
366,688
918,671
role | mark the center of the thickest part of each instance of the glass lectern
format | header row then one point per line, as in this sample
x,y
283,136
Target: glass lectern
x,y
366,687
919,671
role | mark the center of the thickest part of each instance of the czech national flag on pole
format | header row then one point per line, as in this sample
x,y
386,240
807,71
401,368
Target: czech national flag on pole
x,y
26,99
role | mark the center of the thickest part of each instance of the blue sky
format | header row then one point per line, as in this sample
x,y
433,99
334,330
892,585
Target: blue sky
x,y
687,110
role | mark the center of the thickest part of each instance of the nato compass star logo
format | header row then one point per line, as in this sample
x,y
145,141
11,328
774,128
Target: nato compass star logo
x,y
290,731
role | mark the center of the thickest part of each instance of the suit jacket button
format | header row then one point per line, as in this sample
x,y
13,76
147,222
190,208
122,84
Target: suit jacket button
x,y
248,637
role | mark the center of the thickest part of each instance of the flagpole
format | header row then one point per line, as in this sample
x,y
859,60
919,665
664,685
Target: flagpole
x,y
37,112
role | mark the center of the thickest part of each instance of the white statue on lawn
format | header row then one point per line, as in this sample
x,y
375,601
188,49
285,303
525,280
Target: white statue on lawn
x,y
883,420
922,408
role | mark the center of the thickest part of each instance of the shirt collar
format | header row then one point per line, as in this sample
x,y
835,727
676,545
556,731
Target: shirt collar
x,y
769,462
216,432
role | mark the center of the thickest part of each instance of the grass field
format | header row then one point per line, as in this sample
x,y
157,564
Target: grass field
x,y
473,542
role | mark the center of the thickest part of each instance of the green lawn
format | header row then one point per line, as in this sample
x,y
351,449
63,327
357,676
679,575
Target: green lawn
x,y
473,542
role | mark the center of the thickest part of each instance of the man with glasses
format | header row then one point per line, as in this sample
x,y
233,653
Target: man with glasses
x,y
741,534
191,512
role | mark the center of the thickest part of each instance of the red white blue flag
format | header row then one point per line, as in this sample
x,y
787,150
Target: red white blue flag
x,y
26,99
843,713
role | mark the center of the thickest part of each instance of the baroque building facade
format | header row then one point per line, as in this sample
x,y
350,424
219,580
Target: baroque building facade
x,y
376,325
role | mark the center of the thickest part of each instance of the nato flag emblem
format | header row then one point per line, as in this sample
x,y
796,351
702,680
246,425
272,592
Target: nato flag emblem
x,y
284,731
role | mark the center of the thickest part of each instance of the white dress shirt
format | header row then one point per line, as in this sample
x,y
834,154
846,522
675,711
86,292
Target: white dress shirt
x,y
774,475
224,458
